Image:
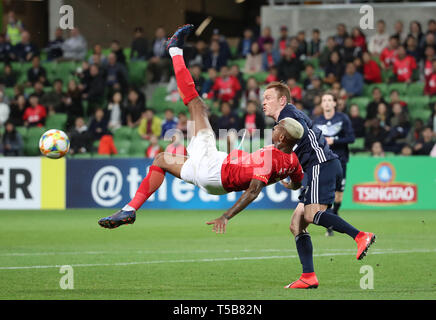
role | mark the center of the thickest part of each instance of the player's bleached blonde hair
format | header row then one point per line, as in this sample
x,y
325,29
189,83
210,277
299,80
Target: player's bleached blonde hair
x,y
293,127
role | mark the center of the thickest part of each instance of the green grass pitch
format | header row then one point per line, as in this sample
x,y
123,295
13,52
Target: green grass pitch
x,y
175,255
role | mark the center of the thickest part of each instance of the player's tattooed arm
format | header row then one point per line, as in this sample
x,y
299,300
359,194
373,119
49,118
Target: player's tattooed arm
x,y
219,224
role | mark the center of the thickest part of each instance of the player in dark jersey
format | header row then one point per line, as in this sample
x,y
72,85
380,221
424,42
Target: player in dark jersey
x,y
338,132
321,169
213,171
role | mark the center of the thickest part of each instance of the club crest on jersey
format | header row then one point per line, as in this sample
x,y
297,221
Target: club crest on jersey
x,y
385,191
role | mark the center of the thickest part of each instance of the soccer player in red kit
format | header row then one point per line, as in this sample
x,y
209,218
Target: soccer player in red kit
x,y
211,170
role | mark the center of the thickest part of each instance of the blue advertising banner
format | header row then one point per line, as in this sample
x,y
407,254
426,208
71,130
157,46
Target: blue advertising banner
x,y
111,183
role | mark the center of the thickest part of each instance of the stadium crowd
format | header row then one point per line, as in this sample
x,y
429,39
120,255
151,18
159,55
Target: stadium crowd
x,y
386,83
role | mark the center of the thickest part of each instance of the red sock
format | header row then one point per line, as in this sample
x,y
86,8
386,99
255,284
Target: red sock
x,y
148,186
185,83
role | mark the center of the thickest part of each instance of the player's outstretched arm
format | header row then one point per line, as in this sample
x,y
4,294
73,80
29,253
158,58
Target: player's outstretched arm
x,y
249,195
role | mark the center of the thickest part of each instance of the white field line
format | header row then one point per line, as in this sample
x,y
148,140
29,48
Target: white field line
x,y
214,259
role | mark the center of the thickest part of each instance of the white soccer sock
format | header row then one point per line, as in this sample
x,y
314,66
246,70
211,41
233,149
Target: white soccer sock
x,y
174,51
128,208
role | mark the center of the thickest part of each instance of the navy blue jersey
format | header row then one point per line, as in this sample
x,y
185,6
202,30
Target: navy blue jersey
x,y
340,129
312,148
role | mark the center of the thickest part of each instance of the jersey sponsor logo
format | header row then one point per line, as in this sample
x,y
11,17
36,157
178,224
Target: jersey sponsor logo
x,y
385,191
330,129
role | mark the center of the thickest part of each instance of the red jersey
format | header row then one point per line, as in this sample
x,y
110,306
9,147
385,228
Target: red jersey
x,y
430,85
268,165
388,56
404,68
428,69
226,88
296,93
371,72
35,116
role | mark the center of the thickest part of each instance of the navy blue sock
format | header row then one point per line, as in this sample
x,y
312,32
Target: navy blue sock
x,y
328,219
305,251
336,207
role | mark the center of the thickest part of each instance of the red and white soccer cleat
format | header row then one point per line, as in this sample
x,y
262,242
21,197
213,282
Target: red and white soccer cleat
x,y
306,281
364,240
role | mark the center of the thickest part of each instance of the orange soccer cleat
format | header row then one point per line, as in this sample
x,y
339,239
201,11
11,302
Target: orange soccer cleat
x,y
364,240
306,281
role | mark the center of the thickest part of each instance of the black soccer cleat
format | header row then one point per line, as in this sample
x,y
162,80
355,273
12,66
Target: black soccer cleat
x,y
178,38
117,219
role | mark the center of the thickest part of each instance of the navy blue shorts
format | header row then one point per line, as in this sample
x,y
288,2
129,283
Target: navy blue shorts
x,y
320,183
340,184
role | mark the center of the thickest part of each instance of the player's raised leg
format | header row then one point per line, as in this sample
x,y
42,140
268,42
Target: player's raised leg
x,y
164,162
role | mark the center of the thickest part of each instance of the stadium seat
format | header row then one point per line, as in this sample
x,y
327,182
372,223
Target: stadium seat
x,y
123,146
415,89
362,102
22,131
367,89
137,72
82,156
387,75
423,114
138,147
259,76
100,156
31,144
418,103
313,61
358,145
123,133
401,87
56,121
158,102
239,62
9,92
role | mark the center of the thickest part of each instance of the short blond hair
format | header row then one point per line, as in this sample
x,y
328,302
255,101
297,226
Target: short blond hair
x,y
293,127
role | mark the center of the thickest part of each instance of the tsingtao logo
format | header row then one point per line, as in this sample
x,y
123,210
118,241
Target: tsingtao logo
x,y
385,191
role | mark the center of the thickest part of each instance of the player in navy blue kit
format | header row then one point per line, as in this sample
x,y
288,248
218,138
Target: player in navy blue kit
x,y
322,169
338,132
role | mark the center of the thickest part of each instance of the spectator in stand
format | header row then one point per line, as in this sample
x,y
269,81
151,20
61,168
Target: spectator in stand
x,y
215,57
270,56
359,39
4,110
12,141
371,70
331,46
169,123
208,84
118,51
80,137
358,63
404,65
427,66
272,75
380,40
114,110
98,57
25,50
415,133
134,109
309,72
296,91
290,66
75,47
406,151
334,69
199,80
341,34
348,51
236,72
252,91
377,150
14,29
310,97
400,33
265,37
35,113
73,103
375,132
228,120
197,54
394,97
176,146
54,48
253,120
182,125
302,44
6,50
371,108
245,43
116,74
430,83
314,48
283,41
412,48
98,128
17,108
159,63
139,46
38,90
428,41
352,81
399,127
415,30
150,125
389,54
154,148
425,144
357,122
431,26
225,87
432,120
383,115
53,100
94,88
9,78
224,46
253,63
36,72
